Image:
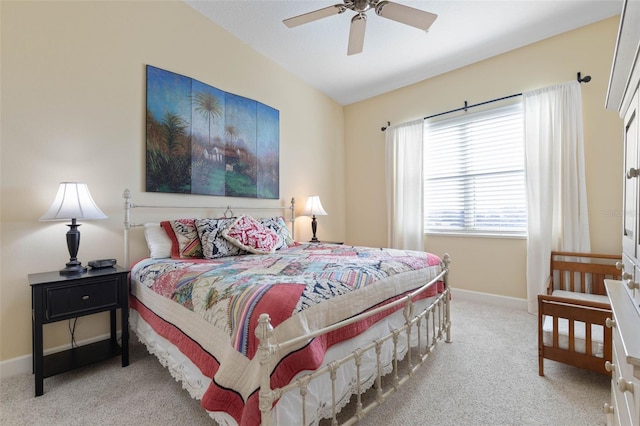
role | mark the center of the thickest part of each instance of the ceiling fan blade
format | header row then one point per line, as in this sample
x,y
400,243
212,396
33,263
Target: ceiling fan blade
x,y
405,14
356,34
315,15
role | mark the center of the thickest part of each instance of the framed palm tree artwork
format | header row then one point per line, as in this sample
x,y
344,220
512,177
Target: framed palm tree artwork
x,y
202,140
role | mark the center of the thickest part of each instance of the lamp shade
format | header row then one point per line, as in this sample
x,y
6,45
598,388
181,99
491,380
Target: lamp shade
x,y
314,207
73,201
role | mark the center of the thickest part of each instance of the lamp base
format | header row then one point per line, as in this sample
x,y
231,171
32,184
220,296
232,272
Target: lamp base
x,y
314,227
73,268
73,242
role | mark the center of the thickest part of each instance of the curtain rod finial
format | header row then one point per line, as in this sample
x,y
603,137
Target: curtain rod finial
x,y
585,79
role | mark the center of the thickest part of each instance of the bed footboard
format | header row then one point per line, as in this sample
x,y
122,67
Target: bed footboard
x,y
427,327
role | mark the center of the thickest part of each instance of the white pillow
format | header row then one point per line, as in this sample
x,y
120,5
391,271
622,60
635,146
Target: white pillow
x,y
158,241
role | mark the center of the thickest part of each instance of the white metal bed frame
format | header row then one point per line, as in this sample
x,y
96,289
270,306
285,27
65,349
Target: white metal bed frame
x,y
431,324
128,206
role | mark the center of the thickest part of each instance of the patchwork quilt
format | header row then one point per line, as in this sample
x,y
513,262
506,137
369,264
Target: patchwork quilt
x,y
209,309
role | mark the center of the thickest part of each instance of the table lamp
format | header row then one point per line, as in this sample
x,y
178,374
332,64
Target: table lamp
x,y
73,202
314,208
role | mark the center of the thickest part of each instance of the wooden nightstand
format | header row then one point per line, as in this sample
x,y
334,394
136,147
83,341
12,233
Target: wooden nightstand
x,y
57,297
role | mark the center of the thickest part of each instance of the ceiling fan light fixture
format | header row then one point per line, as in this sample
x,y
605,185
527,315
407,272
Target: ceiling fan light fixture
x,y
359,5
405,15
387,9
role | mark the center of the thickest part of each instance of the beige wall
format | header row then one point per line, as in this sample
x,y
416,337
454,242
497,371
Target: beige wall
x,y
492,265
73,108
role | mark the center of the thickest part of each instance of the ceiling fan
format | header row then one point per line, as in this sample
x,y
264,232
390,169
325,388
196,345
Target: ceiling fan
x,y
387,9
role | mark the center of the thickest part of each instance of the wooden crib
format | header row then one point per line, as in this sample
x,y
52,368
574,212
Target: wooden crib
x,y
572,315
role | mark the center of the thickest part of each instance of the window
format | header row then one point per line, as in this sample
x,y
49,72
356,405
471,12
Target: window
x,y
474,174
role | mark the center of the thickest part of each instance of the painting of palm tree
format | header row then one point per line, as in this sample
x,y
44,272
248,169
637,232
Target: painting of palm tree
x,y
202,140
207,155
208,106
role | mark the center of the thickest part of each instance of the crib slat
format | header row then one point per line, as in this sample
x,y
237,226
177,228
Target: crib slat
x,y
589,347
572,335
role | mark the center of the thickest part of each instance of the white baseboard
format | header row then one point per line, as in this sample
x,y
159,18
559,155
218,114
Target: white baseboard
x,y
15,366
23,364
487,298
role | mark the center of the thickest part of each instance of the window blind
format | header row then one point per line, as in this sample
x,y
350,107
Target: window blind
x,y
474,178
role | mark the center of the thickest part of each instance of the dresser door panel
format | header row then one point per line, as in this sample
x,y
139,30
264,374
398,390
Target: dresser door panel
x,y
630,239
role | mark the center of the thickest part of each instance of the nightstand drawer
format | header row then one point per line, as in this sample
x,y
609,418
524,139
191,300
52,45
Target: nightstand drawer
x,y
76,300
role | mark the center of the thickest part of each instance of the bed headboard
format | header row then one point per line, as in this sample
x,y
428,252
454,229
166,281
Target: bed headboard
x,y
226,211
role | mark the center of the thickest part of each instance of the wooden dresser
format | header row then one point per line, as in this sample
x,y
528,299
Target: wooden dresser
x,y
622,96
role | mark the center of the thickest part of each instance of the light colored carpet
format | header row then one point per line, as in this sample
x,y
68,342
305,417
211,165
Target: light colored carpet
x,y
487,376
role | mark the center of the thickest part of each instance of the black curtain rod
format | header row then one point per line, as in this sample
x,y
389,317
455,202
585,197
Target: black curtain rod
x,y
466,107
585,79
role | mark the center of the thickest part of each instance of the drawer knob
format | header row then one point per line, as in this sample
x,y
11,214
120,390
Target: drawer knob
x,y
632,285
620,266
625,386
633,173
610,323
85,297
609,367
608,408
626,276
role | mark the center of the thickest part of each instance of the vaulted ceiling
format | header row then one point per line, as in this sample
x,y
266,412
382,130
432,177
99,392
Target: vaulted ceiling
x,y
395,54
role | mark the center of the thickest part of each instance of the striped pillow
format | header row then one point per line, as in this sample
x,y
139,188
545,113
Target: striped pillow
x,y
187,238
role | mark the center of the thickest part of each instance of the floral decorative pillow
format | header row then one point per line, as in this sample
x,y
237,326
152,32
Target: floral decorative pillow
x,y
214,245
251,235
278,225
188,241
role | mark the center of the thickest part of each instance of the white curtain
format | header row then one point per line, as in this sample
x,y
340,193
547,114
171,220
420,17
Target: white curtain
x,y
556,189
405,207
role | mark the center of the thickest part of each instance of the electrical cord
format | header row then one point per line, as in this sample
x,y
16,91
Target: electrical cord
x,y
72,331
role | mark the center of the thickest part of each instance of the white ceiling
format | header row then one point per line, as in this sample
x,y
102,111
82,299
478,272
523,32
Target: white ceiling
x,y
395,55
